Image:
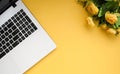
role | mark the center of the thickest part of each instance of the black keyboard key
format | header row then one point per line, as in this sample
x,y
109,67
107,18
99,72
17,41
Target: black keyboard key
x,y
18,13
3,36
11,41
15,15
6,39
29,27
23,37
23,13
2,54
10,31
10,47
26,35
20,34
15,44
20,16
3,42
23,20
26,23
1,50
20,28
28,19
14,20
7,50
32,30
33,25
6,34
1,31
7,44
6,23
5,28
18,24
15,32
4,47
0,44
10,24
29,32
26,29
14,27
3,25
23,31
0,39
21,10
23,25
10,36
20,40
16,37
9,20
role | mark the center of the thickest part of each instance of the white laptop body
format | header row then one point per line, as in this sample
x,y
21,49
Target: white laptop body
x,y
29,51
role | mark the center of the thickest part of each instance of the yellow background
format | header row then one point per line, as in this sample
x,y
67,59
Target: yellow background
x,y
80,50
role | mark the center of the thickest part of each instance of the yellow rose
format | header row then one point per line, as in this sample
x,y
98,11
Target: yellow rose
x,y
111,31
110,18
90,22
104,26
92,9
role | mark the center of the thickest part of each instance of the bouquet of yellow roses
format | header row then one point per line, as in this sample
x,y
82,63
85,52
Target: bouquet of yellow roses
x,y
106,11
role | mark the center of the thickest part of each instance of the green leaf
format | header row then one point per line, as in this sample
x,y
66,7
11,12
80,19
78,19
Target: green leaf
x,y
108,6
115,27
118,22
98,3
100,12
108,0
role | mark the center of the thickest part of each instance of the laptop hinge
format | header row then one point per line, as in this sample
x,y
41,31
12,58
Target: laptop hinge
x,y
14,5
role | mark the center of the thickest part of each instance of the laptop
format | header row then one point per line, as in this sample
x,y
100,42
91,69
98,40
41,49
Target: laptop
x,y
23,42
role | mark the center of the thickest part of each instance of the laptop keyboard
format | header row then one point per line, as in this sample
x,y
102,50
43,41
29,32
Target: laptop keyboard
x,y
14,31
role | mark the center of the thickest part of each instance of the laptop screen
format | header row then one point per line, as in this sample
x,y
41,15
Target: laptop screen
x,y
3,3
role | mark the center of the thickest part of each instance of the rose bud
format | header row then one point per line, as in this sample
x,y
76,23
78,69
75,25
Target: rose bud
x,y
111,31
91,8
90,22
104,26
110,18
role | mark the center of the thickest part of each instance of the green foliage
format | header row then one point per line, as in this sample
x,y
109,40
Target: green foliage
x,y
111,6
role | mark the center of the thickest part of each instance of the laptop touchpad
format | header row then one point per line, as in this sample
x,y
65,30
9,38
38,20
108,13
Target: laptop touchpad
x,y
9,65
